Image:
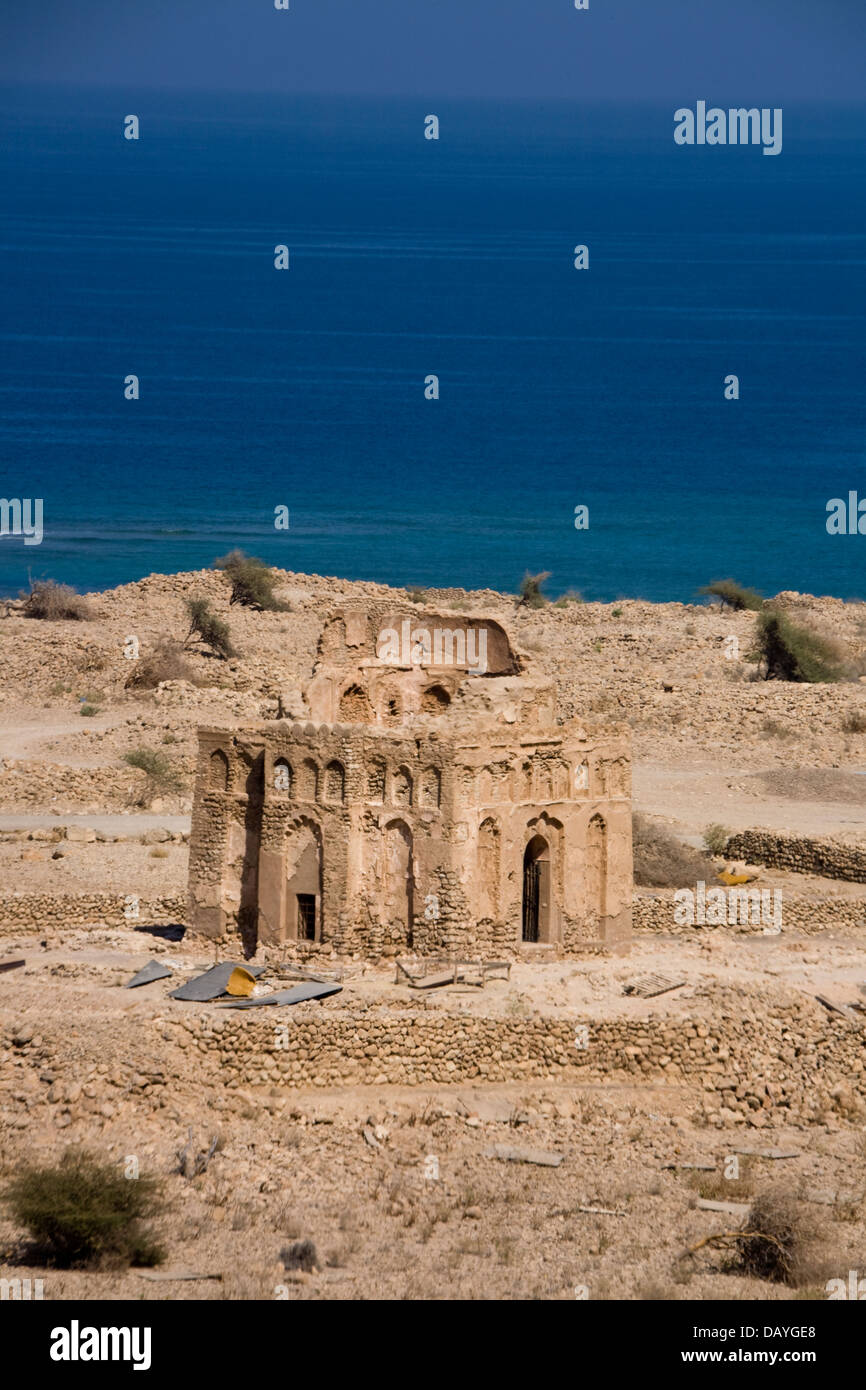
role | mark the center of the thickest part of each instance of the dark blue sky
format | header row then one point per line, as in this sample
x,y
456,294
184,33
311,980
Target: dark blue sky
x,y
761,51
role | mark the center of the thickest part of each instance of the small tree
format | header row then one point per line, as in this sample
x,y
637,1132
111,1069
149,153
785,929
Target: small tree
x,y
252,582
85,1212
734,595
530,593
208,628
793,653
716,839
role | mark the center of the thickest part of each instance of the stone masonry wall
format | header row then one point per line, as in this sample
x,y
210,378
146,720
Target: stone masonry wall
x,y
49,912
655,914
753,1063
801,855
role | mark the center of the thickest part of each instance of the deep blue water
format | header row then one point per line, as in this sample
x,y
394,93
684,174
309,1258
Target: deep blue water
x,y
408,257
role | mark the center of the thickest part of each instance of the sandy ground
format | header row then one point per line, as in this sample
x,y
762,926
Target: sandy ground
x,y
690,796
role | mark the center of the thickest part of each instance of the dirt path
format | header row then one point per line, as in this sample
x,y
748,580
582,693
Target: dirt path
x,y
689,798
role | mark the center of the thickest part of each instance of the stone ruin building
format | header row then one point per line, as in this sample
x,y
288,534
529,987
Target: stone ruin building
x,y
420,799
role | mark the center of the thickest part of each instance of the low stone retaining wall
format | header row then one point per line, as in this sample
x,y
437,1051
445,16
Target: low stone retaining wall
x,y
29,786
799,914
752,1062
50,912
801,855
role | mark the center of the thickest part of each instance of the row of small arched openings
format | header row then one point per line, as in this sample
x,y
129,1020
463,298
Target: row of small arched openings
x,y
356,706
309,782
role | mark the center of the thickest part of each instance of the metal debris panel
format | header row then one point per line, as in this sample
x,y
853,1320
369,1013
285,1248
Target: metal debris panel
x,y
648,986
154,970
298,994
217,981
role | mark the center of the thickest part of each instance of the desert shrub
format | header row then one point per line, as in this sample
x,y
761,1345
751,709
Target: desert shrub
x,y
160,772
789,652
530,593
302,1255
53,602
208,628
570,596
89,710
417,595
777,1240
854,722
715,839
663,861
165,663
83,1212
734,595
252,582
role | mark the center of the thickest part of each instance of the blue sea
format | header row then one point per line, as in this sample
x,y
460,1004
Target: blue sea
x,y
306,388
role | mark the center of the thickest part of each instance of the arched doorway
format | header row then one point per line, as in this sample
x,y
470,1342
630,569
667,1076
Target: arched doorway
x,y
398,882
536,890
303,900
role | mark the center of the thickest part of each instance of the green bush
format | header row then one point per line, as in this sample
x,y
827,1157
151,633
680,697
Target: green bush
x,y
530,592
252,582
159,768
733,595
208,628
716,839
89,710
52,602
83,1212
792,653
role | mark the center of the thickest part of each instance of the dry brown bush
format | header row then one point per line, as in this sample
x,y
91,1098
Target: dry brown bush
x,y
663,861
165,663
778,1240
55,602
